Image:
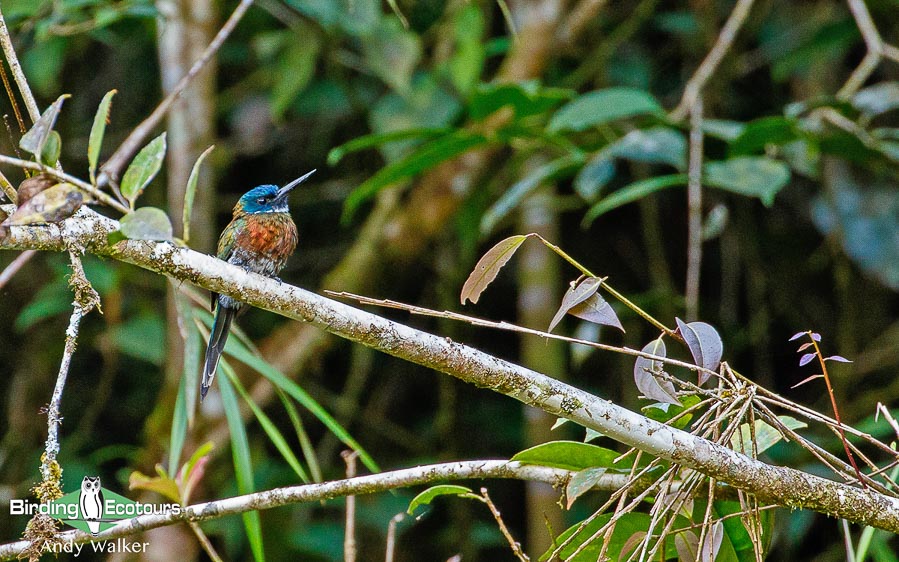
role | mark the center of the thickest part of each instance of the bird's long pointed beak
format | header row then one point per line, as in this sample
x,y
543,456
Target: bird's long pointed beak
x,y
284,190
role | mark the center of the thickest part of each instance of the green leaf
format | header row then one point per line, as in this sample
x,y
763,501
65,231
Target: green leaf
x,y
141,337
43,60
765,435
571,455
877,99
522,188
428,104
161,484
625,527
52,149
594,176
467,62
355,17
426,497
143,169
188,469
582,482
33,141
243,462
295,69
754,176
378,139
98,130
391,53
601,106
146,223
273,433
526,98
425,157
591,434
735,529
52,299
662,412
824,48
633,192
190,192
657,145
723,129
761,133
488,267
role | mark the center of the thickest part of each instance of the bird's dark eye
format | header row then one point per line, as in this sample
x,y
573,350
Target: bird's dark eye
x,y
261,200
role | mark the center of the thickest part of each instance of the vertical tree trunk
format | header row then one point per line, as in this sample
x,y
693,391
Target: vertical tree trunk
x,y
185,28
539,295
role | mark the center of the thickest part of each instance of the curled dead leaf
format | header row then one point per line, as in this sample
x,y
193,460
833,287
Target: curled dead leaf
x,y
49,206
34,185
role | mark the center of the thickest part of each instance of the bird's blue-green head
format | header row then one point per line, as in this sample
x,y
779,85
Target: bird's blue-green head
x,y
268,198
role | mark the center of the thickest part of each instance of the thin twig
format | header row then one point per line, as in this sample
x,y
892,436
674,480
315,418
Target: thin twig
x,y
85,300
391,536
877,50
12,100
881,409
515,545
109,172
710,64
474,321
606,287
308,493
578,19
15,266
10,52
8,188
349,537
836,411
62,176
694,206
204,542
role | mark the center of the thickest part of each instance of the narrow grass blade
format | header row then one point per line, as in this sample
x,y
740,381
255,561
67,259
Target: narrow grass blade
x,y
305,442
189,194
243,464
274,434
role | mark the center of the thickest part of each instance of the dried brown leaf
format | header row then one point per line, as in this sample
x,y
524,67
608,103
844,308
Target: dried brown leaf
x,y
488,267
575,295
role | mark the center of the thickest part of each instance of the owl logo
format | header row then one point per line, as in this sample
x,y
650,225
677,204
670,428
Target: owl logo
x,y
91,503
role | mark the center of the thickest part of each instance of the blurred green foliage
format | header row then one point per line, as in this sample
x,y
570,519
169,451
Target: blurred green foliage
x,y
809,239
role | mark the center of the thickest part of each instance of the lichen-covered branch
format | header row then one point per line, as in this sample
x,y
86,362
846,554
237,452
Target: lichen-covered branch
x,y
770,484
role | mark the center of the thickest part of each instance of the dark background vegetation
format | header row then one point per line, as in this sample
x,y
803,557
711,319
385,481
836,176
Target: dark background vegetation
x,y
299,78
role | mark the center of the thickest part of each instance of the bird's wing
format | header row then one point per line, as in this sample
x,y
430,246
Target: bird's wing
x,y
225,247
227,239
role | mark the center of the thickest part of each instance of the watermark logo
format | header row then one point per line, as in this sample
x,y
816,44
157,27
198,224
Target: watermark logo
x,y
93,509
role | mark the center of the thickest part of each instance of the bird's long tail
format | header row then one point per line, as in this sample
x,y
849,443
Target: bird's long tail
x,y
217,339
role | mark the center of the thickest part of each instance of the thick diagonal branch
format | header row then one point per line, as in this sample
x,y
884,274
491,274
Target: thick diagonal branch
x,y
770,484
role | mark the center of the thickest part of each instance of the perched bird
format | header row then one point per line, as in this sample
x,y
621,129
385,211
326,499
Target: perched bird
x,y
259,238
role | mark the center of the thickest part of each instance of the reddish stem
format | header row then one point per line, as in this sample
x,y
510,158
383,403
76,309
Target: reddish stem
x,y
836,412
